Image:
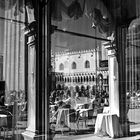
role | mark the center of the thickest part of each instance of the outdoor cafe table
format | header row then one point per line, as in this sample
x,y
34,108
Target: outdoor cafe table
x,y
63,118
66,119
108,124
3,120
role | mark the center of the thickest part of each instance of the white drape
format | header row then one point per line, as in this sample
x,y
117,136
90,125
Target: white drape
x,y
14,47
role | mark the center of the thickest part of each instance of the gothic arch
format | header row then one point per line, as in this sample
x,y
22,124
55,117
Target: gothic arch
x,y
58,87
61,66
81,79
82,88
74,65
84,79
78,79
70,79
87,79
90,79
65,79
93,79
88,87
87,64
77,89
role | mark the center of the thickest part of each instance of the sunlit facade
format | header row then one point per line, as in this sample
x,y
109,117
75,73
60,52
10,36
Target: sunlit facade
x,y
79,69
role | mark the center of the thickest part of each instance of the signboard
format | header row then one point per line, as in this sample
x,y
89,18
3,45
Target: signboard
x,y
103,63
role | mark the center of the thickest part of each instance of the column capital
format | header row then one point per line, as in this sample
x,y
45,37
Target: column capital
x,y
30,31
111,47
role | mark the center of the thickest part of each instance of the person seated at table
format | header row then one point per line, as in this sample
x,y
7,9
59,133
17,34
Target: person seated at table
x,y
67,101
106,102
52,98
2,100
97,103
67,98
104,99
91,104
77,96
56,100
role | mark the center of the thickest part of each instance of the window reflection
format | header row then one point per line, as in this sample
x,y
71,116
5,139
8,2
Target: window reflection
x,y
73,65
61,67
87,64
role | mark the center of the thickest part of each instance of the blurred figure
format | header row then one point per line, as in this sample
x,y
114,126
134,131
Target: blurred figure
x,y
127,103
2,100
92,100
77,96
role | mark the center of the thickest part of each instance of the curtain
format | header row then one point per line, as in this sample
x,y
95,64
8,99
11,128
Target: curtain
x,y
13,50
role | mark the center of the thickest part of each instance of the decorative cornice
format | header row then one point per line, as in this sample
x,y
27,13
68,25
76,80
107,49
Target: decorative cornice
x,y
74,52
81,74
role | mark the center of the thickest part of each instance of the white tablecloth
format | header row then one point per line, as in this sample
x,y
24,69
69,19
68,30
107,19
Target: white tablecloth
x,y
3,120
65,119
108,124
62,118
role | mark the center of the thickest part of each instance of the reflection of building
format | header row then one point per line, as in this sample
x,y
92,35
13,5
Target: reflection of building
x,y
78,69
133,59
13,58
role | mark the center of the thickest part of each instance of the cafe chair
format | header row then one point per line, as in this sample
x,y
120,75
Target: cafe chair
x,y
82,117
85,115
6,125
67,120
73,116
92,116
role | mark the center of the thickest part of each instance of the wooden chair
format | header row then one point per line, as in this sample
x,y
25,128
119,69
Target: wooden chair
x,y
4,129
73,116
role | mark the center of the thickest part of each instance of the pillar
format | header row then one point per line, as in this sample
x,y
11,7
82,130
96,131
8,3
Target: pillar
x,y
113,80
39,73
31,130
121,42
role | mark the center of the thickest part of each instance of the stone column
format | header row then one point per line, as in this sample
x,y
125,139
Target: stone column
x,y
113,80
39,73
31,131
121,42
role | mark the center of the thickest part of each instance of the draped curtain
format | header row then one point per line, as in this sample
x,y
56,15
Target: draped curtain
x,y
13,49
15,14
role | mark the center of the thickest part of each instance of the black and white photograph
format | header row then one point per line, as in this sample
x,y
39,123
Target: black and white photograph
x,y
69,69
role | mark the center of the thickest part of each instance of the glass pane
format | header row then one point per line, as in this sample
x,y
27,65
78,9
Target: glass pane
x,y
79,80
132,73
13,96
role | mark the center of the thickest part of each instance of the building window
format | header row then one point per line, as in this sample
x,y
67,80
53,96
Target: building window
x,y
73,65
87,64
61,67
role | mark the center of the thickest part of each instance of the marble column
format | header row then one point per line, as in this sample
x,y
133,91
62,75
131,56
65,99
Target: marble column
x,y
31,129
113,80
33,132
39,73
117,98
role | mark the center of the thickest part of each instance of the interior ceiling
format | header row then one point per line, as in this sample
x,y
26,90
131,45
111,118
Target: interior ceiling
x,y
119,11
